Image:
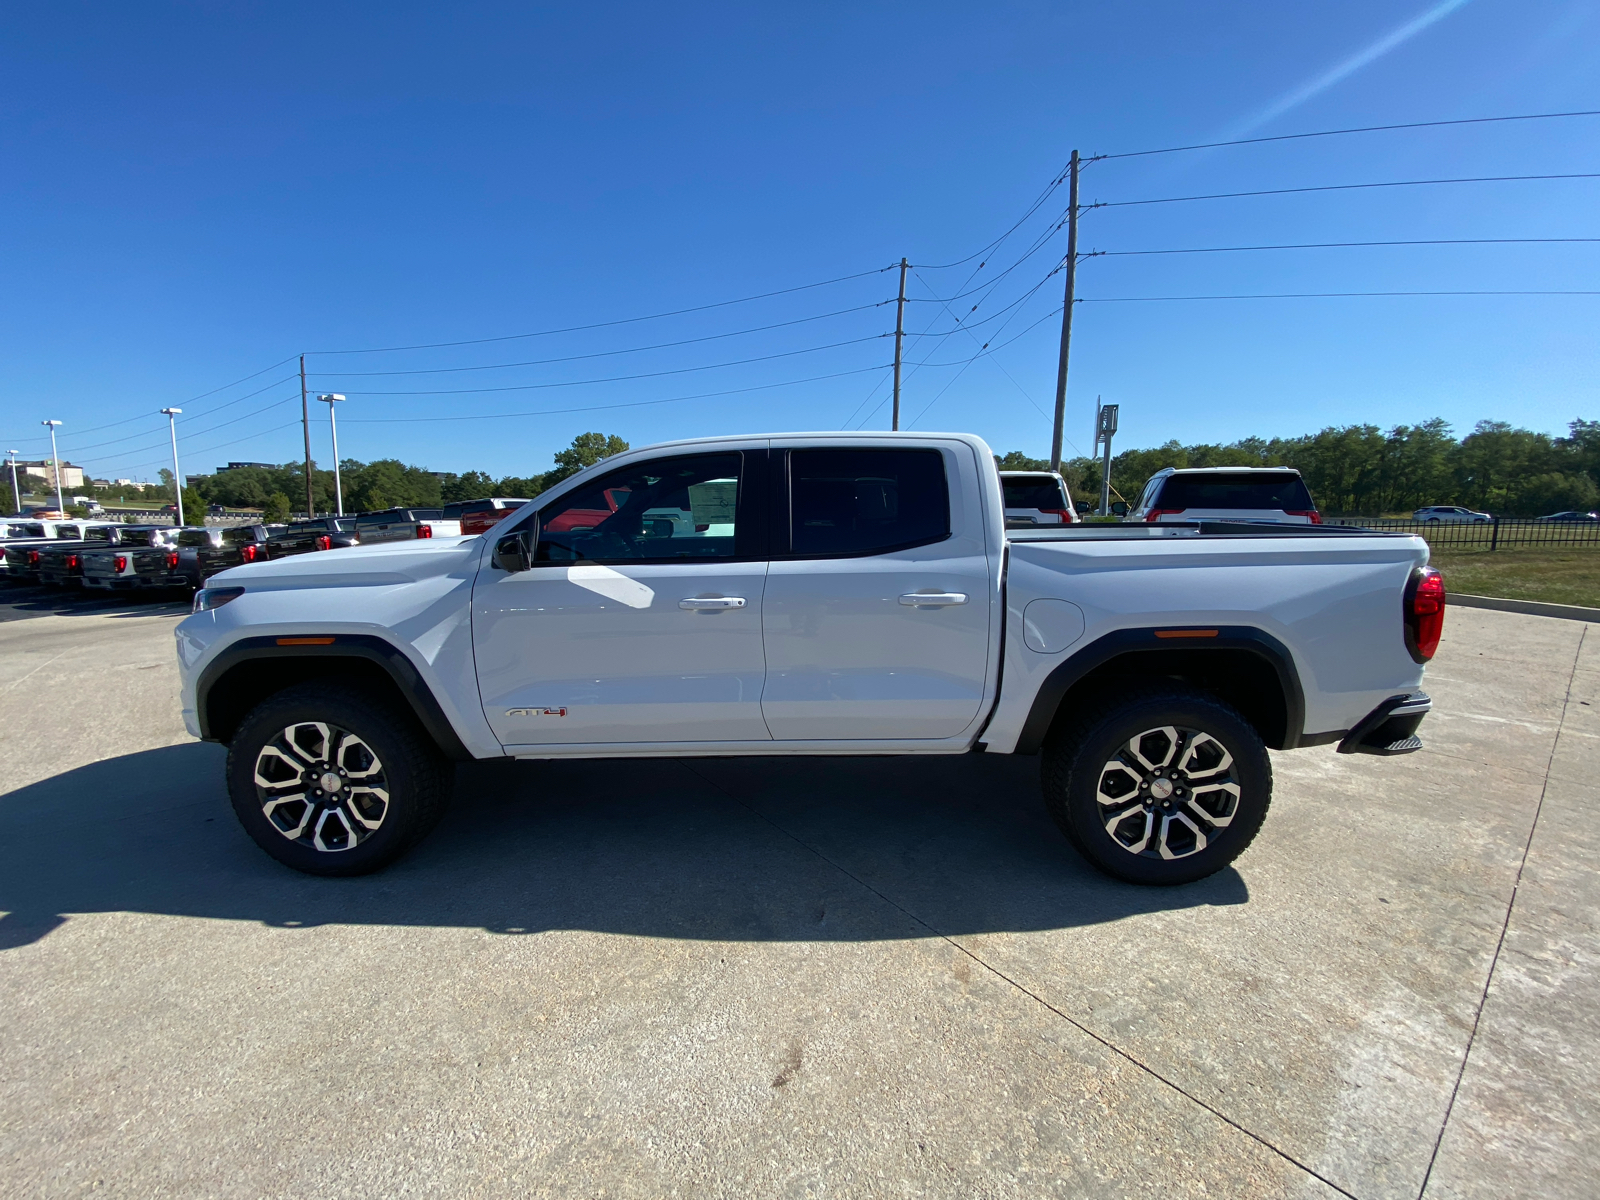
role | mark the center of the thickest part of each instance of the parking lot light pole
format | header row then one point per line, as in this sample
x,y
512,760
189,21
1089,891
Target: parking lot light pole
x,y
61,504
177,480
16,492
330,400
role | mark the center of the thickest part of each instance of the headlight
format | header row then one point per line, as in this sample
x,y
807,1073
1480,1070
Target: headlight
x,y
208,598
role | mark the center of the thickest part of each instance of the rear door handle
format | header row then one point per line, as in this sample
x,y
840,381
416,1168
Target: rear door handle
x,y
695,603
933,599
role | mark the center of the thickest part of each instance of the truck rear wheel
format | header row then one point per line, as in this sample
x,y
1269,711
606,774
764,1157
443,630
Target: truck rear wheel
x,y
1167,786
333,782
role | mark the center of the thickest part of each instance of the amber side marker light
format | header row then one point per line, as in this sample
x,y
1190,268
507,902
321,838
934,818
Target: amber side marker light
x,y
322,641
1183,633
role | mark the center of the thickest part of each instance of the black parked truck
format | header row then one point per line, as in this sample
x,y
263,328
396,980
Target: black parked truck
x,y
318,533
232,548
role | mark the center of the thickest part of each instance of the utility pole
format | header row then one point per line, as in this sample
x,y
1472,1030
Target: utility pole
x,y
1066,316
1105,424
16,492
171,414
61,504
330,400
899,336
305,423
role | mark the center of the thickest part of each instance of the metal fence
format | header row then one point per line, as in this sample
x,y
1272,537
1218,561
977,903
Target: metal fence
x,y
1486,535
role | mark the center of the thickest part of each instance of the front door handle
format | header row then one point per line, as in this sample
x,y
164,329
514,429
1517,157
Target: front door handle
x,y
933,599
711,603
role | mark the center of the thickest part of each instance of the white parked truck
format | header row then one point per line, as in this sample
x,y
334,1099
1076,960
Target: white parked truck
x,y
825,594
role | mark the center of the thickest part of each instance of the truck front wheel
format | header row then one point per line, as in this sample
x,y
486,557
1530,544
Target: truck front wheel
x,y
1167,786
330,781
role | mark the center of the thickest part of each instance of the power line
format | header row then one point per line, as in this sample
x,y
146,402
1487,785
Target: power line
x,y
1317,296
540,362
221,445
531,387
219,408
1055,184
1340,245
601,407
511,337
1288,137
992,348
192,432
1342,187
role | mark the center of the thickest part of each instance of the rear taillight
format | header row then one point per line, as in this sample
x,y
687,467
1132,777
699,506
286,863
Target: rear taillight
x,y
1424,612
424,530
249,553
1155,514
120,562
1309,514
72,562
1064,514
172,560
33,558
324,542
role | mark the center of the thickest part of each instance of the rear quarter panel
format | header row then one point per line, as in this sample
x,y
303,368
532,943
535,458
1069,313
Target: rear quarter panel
x,y
1335,603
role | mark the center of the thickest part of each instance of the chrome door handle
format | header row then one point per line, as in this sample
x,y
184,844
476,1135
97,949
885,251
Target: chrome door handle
x,y
933,599
711,603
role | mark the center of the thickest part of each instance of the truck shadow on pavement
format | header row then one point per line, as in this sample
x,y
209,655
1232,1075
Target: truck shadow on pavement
x,y
753,849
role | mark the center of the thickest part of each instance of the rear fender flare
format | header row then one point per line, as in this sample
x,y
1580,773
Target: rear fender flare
x,y
1133,643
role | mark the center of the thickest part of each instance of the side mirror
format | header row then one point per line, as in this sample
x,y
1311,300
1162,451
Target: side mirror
x,y
1119,509
514,552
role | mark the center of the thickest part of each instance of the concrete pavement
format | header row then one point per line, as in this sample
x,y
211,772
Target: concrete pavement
x,y
800,977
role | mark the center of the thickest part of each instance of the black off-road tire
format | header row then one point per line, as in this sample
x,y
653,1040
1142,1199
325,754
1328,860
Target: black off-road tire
x,y
1074,775
414,776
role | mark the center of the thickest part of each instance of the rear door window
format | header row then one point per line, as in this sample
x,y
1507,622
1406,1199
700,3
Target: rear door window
x,y
1042,492
1245,490
856,502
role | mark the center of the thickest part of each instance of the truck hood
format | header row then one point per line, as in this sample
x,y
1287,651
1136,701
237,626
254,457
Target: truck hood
x,y
385,564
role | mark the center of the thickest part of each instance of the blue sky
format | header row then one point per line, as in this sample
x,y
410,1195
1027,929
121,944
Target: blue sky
x,y
196,191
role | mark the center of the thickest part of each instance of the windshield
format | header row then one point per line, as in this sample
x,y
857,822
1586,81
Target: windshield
x,y
1246,490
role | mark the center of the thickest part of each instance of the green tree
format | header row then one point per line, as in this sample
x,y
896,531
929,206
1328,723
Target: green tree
x,y
474,485
276,509
586,450
1016,460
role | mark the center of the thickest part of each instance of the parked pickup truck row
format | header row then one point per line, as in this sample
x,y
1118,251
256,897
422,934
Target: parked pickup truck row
x,y
811,595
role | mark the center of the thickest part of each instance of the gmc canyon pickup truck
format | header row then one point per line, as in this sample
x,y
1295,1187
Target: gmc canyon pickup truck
x,y
826,594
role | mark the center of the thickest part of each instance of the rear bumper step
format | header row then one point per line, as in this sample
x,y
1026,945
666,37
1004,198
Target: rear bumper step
x,y
1391,728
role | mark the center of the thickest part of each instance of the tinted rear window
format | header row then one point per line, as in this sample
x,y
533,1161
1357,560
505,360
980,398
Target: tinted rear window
x,y
368,520
194,537
866,501
239,536
1039,492
454,512
1247,490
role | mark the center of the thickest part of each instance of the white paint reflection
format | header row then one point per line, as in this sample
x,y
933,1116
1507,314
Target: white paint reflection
x,y
613,585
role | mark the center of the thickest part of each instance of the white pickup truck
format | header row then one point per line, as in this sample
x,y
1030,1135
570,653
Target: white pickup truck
x,y
826,594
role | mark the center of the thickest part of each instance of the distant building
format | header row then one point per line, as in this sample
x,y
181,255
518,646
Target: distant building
x,y
128,483
240,466
71,476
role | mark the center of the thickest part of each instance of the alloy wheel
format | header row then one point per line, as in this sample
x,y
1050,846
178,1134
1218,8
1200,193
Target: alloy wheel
x,y
321,786
1168,792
